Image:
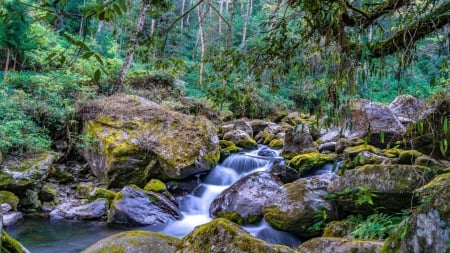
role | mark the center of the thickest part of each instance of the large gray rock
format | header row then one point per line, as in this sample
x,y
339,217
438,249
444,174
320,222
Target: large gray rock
x,y
392,184
244,200
134,206
406,108
135,242
240,138
334,245
95,210
298,141
294,205
131,140
223,236
12,218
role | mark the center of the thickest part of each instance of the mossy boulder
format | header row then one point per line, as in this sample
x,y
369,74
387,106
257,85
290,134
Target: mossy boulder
x,y
240,124
227,148
298,140
241,139
9,198
134,206
409,156
341,228
155,185
102,193
392,186
285,173
75,210
135,242
355,150
223,236
343,143
310,161
11,245
436,196
406,107
294,205
333,245
441,166
48,192
30,171
243,201
276,143
130,140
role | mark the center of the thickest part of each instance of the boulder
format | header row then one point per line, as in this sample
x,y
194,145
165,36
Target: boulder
x,y
276,143
48,192
240,124
333,245
244,200
406,108
285,173
135,241
240,138
343,143
9,198
392,186
353,151
130,140
293,207
12,218
372,120
223,236
259,125
11,245
134,206
227,148
408,156
298,141
310,161
74,210
269,133
341,228
29,172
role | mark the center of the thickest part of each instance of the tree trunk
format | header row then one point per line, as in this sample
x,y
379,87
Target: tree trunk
x,y
202,43
130,52
230,27
247,18
8,56
189,14
182,12
14,62
221,14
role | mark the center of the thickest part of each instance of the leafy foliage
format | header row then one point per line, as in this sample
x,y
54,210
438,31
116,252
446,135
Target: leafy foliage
x,y
376,226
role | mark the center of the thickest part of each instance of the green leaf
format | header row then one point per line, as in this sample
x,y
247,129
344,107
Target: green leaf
x,y
445,125
420,127
87,55
97,75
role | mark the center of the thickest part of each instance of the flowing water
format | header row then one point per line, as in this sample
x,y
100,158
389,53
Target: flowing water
x,y
43,235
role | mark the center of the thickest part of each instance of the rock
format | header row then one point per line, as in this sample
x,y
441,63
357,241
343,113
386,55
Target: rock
x,y
227,148
4,208
329,135
440,166
269,133
240,138
11,245
48,192
341,228
133,140
372,120
309,161
259,125
71,210
408,156
12,218
9,198
298,141
328,146
333,245
294,205
240,124
29,172
223,236
285,173
364,158
135,242
101,193
276,143
353,151
393,186
432,135
244,200
134,206
84,190
30,200
267,153
343,143
436,196
406,108
158,186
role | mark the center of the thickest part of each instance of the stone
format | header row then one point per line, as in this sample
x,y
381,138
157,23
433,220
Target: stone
x,y
343,143
310,161
239,124
48,192
12,218
298,141
294,205
227,148
333,245
353,151
134,140
327,146
285,173
341,228
30,199
223,236
406,108
240,138
276,143
9,198
244,200
408,156
135,241
267,153
259,125
134,206
95,210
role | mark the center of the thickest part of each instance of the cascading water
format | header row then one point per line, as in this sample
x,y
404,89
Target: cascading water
x,y
194,207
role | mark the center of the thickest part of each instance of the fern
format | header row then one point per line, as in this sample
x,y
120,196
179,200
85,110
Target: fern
x,y
377,226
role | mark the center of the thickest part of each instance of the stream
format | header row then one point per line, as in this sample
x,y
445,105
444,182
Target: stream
x,y
40,234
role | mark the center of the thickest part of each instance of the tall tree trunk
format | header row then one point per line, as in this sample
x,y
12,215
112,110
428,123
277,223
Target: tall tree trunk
x,y
14,61
247,18
118,87
189,14
202,43
182,12
221,14
230,27
5,71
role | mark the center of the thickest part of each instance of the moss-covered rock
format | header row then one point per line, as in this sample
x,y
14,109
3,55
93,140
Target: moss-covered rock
x,y
241,139
341,228
155,185
436,196
298,140
84,189
293,207
224,236
392,186
48,192
309,161
408,156
441,166
227,148
9,198
130,140
135,242
276,143
99,193
343,143
355,150
11,245
333,245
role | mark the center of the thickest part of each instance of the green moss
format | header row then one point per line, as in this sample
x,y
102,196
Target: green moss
x,y
391,152
227,148
99,193
84,190
355,150
10,245
276,143
9,198
48,192
231,216
436,195
309,161
155,185
409,156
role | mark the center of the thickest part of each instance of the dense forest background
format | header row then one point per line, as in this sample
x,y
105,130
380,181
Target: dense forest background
x,y
244,56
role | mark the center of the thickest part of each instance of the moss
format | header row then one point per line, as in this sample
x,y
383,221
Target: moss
x,y
99,193
355,150
84,190
391,152
276,143
10,245
309,161
227,148
155,185
409,156
48,192
9,198
436,195
231,216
